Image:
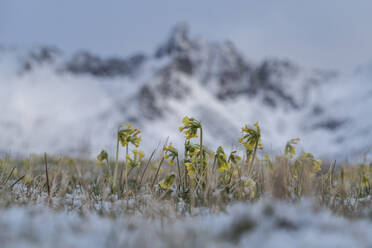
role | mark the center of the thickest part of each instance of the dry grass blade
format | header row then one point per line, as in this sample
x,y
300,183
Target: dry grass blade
x,y
46,173
146,166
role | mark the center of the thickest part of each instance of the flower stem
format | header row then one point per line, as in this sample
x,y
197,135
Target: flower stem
x,y
253,157
126,167
116,165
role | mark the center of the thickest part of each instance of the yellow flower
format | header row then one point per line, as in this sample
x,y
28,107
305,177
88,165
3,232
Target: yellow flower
x,y
234,158
190,127
307,159
167,182
141,154
127,134
188,165
170,152
290,149
224,167
365,181
222,164
186,121
102,156
190,170
251,138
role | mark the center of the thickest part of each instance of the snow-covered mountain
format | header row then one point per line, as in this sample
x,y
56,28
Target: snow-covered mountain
x,y
73,104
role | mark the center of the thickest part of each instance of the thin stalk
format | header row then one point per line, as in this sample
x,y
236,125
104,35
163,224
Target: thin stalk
x,y
253,157
147,165
116,164
19,179
300,181
108,167
179,174
46,173
185,176
201,146
331,171
230,172
262,180
230,178
8,177
201,171
121,183
157,172
130,170
161,162
214,164
126,168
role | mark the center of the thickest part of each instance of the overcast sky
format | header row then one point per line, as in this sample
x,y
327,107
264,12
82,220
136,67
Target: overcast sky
x,y
333,34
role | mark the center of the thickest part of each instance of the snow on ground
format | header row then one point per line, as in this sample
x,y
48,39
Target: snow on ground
x,y
263,224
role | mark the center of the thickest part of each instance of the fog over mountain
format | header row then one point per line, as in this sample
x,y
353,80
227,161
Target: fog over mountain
x,y
51,102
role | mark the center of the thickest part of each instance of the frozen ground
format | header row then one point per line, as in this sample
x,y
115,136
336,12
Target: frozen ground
x,y
263,224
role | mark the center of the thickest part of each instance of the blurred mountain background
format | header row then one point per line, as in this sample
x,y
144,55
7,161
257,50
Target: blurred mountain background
x,y
300,71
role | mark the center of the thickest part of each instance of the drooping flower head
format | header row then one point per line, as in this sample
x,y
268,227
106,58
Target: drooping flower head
x,y
251,137
170,153
221,159
234,158
102,156
308,160
190,127
167,182
290,149
127,134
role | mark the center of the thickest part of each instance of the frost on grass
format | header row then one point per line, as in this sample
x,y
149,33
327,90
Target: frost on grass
x,y
195,201
263,224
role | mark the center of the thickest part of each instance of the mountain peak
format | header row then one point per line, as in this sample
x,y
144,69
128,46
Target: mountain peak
x,y
177,43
